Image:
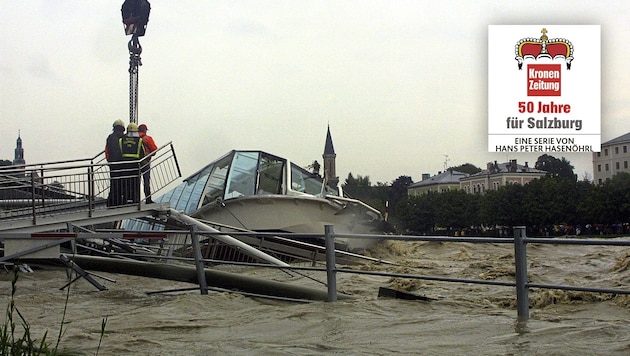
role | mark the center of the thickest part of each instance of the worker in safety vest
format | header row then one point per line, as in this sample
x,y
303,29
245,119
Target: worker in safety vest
x,y
113,155
149,147
133,152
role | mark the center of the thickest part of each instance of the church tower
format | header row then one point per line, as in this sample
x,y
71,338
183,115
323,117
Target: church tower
x,y
329,161
18,159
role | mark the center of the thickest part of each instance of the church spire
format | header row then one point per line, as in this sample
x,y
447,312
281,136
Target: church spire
x,y
18,158
329,148
329,161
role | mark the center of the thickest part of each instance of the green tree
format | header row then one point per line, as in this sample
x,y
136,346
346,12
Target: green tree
x,y
614,199
503,206
418,213
358,188
455,209
467,168
583,211
551,200
552,165
398,190
377,196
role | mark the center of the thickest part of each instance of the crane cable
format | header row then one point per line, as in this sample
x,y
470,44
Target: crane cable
x,y
134,63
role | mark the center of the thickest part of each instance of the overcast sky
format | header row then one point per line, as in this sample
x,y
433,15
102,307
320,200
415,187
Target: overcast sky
x,y
402,84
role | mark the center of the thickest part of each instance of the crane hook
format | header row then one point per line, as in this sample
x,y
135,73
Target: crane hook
x,y
134,45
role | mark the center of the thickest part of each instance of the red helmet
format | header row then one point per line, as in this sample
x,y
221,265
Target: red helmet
x,y
143,128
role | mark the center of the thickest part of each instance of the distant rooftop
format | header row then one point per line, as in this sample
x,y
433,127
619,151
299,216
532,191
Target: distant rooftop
x,y
447,177
507,167
620,139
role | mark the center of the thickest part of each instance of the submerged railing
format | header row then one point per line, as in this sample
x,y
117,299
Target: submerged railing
x,y
521,282
198,248
27,191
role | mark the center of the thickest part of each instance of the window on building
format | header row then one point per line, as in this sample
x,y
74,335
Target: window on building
x,y
599,167
605,152
617,165
625,149
617,150
599,154
607,168
625,164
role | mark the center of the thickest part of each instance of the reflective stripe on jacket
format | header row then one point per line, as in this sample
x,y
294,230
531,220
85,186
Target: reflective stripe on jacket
x,y
131,148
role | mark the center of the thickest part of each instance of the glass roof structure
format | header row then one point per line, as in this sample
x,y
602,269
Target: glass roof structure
x,y
244,173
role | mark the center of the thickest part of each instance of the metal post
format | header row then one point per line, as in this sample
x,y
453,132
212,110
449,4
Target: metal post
x,y
520,261
70,264
140,186
331,274
33,199
73,243
201,273
90,190
41,184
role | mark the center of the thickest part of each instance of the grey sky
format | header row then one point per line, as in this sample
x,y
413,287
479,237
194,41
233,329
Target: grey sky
x,y
401,83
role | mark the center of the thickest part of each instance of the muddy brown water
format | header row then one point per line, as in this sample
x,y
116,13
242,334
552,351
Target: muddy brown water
x,y
465,318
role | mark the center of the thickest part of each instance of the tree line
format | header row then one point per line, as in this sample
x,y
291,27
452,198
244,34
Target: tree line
x,y
554,204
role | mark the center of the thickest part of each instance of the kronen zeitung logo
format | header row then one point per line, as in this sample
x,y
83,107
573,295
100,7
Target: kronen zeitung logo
x,y
544,79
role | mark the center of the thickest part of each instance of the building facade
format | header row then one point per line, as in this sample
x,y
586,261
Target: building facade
x,y
613,158
499,174
441,182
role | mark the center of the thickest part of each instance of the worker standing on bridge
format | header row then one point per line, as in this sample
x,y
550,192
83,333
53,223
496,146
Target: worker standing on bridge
x,y
133,152
113,155
149,147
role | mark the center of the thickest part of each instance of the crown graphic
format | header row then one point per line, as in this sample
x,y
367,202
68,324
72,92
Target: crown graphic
x,y
534,48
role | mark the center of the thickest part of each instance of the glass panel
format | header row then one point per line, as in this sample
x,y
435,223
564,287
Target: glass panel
x,y
177,193
216,182
187,188
166,197
270,180
242,176
195,194
306,182
135,224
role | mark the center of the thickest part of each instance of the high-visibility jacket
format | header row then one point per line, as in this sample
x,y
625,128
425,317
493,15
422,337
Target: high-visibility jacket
x,y
131,148
149,144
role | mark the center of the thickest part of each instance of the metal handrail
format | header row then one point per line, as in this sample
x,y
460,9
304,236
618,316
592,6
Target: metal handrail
x,y
519,241
29,190
521,282
520,255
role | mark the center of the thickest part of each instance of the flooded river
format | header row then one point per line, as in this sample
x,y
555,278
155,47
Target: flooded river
x,y
464,318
